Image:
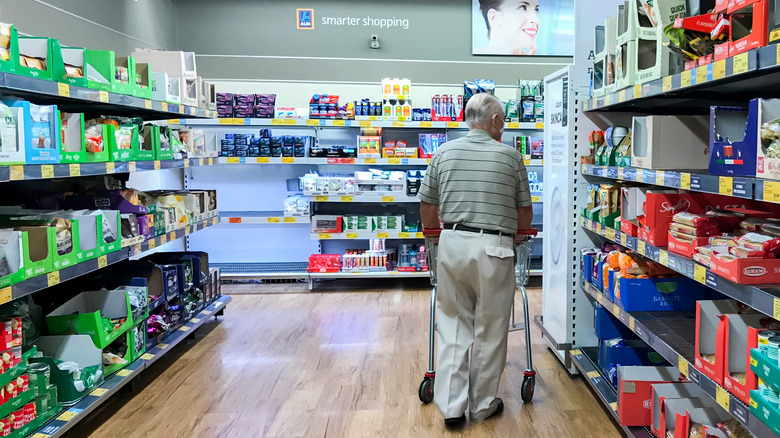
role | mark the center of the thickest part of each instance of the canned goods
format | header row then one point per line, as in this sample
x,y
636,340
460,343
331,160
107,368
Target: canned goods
x,y
51,391
763,340
769,394
41,404
39,373
773,345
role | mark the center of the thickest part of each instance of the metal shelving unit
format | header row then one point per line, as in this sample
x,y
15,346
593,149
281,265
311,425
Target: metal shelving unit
x,y
363,122
261,217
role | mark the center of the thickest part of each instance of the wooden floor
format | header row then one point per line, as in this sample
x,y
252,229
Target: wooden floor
x,y
331,364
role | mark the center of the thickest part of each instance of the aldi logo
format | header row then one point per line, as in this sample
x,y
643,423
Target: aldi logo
x,y
305,18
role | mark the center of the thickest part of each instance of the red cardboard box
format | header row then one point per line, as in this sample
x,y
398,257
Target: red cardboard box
x,y
741,336
634,398
659,208
702,415
710,336
684,247
721,51
747,271
669,391
747,28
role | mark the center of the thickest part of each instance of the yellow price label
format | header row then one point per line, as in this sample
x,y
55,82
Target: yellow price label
x,y
539,125
685,78
181,109
365,123
148,103
771,191
575,352
233,160
289,220
162,346
156,164
98,392
383,235
63,90
75,169
701,74
103,96
719,69
610,234
513,125
593,374
288,160
776,313
453,125
753,362
263,160
682,365
659,177
640,247
663,257
621,96
616,310
640,175
184,329
700,275
600,297
47,171
102,262
6,295
187,230
274,220
598,228
67,416
740,63
722,397
312,122
352,236
338,123
631,323
290,122
186,162
621,173
373,118
53,278
165,106
419,235
41,435
623,239
607,100
277,122
637,91
324,236
321,198
393,161
178,121
426,124
726,185
404,235
17,173
685,181
388,199
124,373
347,198
667,84
613,406
147,356
152,244
370,161
195,320
398,124
131,165
585,106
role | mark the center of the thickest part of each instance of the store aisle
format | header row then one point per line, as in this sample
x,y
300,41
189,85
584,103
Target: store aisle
x,y
330,364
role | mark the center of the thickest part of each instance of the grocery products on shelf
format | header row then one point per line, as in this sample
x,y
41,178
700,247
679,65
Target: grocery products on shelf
x,y
378,258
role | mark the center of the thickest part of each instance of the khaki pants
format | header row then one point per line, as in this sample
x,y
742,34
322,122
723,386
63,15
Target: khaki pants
x,y
476,288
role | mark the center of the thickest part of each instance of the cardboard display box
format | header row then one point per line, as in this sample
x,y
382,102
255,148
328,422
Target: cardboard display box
x,y
652,136
686,248
658,294
703,411
626,64
747,25
100,69
71,348
13,251
174,63
741,335
669,391
747,271
710,337
73,142
143,80
35,47
64,63
84,314
634,397
40,131
734,136
767,164
15,154
166,88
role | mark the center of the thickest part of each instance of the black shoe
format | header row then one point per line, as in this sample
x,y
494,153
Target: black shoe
x,y
455,422
499,408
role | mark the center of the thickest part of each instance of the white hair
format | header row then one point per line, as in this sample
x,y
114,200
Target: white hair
x,y
480,109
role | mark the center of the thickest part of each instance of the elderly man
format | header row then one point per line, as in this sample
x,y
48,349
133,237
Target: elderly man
x,y
479,188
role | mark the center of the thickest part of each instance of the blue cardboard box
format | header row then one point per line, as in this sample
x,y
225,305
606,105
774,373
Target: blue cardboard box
x,y
733,139
658,294
586,266
609,327
637,353
39,125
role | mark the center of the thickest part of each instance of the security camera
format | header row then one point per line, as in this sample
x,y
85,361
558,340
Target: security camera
x,y
374,43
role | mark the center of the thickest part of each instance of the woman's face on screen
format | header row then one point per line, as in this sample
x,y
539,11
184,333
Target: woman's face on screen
x,y
515,24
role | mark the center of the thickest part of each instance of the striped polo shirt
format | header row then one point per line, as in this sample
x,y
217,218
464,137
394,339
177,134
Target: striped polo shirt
x,y
478,182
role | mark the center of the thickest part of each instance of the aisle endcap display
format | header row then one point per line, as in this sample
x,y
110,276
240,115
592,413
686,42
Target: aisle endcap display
x,y
358,123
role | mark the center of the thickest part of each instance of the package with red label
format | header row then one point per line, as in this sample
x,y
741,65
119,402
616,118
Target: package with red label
x,y
23,383
699,231
723,241
30,412
17,419
760,242
753,224
694,220
702,258
5,426
747,253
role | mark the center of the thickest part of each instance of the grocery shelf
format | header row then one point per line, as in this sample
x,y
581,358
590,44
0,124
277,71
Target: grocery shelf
x,y
340,161
276,270
739,187
29,172
363,122
366,235
673,338
377,274
260,217
86,267
139,249
367,197
79,99
78,412
765,299
585,361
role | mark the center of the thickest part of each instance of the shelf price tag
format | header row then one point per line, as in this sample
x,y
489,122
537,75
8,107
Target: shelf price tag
x,y
274,122
599,297
17,173
47,171
585,106
66,416
289,160
616,310
426,124
610,234
233,160
640,175
631,323
685,181
131,166
740,65
637,91
102,262
575,352
771,191
321,198
75,169
398,124
701,74
623,239
640,247
621,173
352,236
165,106
324,236
124,373
453,125
513,125
53,278
388,199
621,96
370,161
722,397
156,164
289,220
365,123
63,89
347,198
685,79
162,346
338,123
776,312
726,185
382,235
263,160
682,365
147,356
234,220
404,235
667,84
98,392
274,220
719,69
598,228
103,96
663,257
291,122
613,406
6,295
148,103
312,122
195,320
700,275
659,177
539,125
184,328
592,374
393,161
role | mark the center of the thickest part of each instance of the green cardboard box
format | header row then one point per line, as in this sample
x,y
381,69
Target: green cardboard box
x,y
143,80
765,368
148,143
72,56
71,348
37,47
765,411
125,64
12,247
163,149
12,52
113,219
107,137
73,146
114,136
37,256
137,336
84,314
125,340
100,69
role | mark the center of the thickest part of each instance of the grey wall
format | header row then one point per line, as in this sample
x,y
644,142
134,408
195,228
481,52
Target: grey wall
x,y
251,39
119,25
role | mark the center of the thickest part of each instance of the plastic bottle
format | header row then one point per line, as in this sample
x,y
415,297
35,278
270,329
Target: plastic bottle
x,y
396,86
388,109
398,109
387,86
406,86
407,109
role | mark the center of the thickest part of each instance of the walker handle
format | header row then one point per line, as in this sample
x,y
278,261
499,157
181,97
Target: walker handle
x,y
431,232
528,232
